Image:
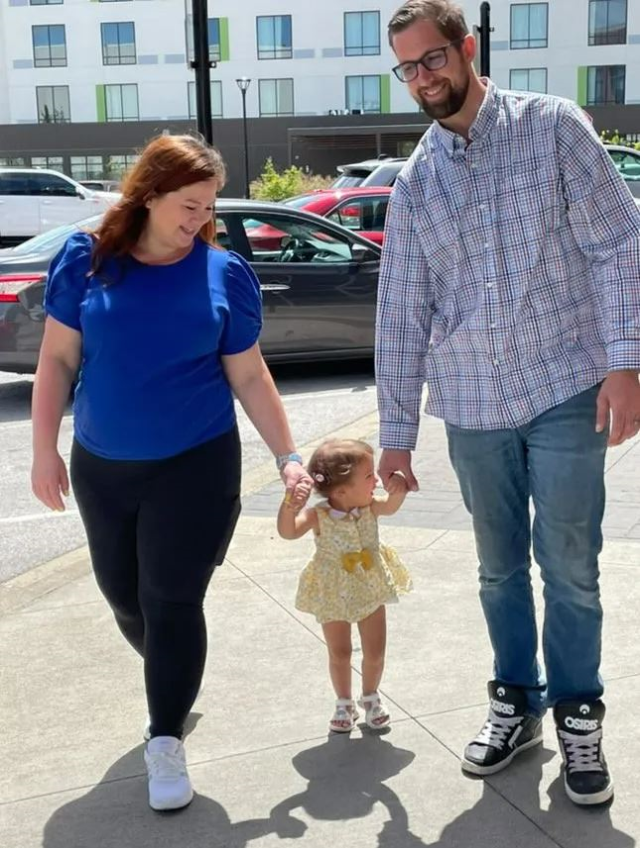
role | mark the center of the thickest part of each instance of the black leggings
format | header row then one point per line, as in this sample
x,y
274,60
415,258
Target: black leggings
x,y
156,531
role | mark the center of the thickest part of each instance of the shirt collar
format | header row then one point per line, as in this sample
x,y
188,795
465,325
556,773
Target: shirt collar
x,y
338,514
483,124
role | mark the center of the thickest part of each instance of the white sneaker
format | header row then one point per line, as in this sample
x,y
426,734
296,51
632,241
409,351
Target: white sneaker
x,y
169,784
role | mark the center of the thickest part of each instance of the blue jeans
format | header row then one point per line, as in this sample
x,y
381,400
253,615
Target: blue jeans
x,y
557,460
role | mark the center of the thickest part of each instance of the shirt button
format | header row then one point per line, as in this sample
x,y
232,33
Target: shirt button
x,y
483,207
493,325
487,245
489,285
496,362
473,165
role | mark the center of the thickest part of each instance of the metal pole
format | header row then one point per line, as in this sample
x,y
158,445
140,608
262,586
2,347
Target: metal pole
x,y
202,66
247,191
485,39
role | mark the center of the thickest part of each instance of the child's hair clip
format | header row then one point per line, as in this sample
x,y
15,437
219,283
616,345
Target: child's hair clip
x,y
319,478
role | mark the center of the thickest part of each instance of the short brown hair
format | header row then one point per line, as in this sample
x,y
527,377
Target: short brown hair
x,y
335,461
167,163
446,15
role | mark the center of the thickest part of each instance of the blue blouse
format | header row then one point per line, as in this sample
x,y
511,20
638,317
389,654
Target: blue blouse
x,y
151,381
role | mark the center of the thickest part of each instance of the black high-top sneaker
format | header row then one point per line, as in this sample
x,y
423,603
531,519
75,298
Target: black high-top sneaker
x,y
508,731
579,728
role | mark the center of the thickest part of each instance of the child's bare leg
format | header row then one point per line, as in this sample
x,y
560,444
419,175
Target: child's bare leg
x,y
373,636
337,635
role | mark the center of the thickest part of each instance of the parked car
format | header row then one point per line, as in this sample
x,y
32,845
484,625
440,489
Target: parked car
x,y
34,200
371,172
361,210
627,161
101,185
319,284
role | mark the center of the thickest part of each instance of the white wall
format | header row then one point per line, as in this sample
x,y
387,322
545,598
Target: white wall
x,y
319,82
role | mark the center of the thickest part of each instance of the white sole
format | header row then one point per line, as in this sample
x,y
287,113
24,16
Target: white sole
x,y
591,799
166,807
474,768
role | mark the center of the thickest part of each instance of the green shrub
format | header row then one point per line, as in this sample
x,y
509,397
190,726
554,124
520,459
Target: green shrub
x,y
279,185
614,137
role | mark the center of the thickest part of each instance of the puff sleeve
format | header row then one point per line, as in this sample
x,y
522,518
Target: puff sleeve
x,y
67,280
244,320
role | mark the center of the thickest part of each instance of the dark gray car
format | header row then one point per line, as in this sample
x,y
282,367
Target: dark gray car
x,y
318,281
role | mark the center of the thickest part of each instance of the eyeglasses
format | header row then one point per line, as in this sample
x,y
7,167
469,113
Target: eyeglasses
x,y
432,60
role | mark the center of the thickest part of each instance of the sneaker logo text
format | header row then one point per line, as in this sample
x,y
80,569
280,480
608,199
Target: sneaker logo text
x,y
499,707
581,723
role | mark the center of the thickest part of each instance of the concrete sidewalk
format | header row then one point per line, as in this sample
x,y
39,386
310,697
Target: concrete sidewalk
x,y
264,769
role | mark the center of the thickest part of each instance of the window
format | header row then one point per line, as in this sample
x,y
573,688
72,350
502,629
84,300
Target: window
x,y
216,99
214,39
529,25
87,167
605,85
55,163
12,162
363,94
53,104
276,97
529,79
121,102
607,22
45,2
275,238
274,37
49,46
15,184
362,33
361,214
118,44
48,185
118,164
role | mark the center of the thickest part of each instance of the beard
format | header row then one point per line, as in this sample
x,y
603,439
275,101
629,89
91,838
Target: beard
x,y
457,95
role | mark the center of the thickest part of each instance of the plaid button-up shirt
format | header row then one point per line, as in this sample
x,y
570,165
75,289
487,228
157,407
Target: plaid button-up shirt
x,y
510,275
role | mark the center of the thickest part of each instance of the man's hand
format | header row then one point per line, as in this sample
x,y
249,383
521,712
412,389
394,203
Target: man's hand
x,y
619,406
396,460
397,484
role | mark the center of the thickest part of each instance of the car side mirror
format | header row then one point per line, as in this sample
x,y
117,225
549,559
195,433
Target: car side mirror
x,y
81,194
360,253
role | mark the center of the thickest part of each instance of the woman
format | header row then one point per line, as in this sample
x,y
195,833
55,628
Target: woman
x,y
162,328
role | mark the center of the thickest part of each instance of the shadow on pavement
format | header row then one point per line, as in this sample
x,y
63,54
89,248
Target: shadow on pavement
x,y
345,781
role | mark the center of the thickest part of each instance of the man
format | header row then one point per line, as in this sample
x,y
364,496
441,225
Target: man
x,y
510,284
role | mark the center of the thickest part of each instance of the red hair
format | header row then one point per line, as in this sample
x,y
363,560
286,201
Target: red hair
x,y
168,163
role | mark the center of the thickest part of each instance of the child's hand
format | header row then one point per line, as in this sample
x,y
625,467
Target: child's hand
x,y
298,497
397,484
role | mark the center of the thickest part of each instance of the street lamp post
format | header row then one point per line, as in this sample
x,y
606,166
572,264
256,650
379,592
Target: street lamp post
x,y
243,85
202,66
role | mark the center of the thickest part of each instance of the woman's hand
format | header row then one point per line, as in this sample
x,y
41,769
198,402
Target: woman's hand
x,y
49,479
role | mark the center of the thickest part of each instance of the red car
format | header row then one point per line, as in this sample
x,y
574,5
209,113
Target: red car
x,y
361,210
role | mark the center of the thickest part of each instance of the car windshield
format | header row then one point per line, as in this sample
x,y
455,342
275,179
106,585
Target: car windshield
x,y
299,201
48,241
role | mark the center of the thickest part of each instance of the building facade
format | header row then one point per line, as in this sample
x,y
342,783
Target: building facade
x,y
115,62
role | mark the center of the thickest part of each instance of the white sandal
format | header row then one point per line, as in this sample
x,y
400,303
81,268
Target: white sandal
x,y
376,714
345,717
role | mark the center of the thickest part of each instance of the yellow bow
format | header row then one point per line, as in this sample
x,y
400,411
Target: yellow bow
x,y
353,559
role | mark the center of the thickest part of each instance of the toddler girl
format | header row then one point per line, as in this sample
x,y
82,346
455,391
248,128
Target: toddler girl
x,y
352,575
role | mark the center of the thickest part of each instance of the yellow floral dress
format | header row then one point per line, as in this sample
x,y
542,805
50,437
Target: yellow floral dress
x,y
351,573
